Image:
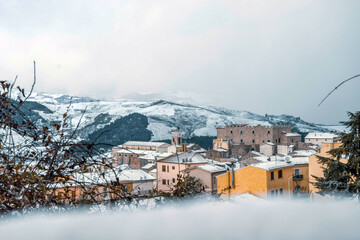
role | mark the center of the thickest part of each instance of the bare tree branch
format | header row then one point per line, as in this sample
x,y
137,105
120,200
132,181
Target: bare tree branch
x,y
337,88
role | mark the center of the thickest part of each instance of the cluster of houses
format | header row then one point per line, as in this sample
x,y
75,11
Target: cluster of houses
x,y
266,161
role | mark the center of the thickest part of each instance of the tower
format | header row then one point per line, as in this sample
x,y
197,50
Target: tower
x,y
176,137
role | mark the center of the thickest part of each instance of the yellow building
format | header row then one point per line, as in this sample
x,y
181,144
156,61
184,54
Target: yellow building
x,y
267,179
315,168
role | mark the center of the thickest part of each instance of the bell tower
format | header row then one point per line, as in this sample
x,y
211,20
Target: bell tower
x,y
176,137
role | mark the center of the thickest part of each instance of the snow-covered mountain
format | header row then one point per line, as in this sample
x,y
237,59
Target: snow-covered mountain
x,y
162,115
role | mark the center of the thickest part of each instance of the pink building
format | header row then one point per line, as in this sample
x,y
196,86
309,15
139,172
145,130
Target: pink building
x,y
170,167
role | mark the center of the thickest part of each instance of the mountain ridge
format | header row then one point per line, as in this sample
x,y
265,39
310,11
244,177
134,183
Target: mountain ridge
x,y
163,115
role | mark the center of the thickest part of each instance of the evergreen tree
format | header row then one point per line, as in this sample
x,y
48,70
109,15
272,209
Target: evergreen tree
x,y
342,177
187,186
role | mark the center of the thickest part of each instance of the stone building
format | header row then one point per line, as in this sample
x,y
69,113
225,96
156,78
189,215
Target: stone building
x,y
243,138
251,135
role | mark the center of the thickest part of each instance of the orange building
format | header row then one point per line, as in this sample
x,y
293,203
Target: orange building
x,y
267,179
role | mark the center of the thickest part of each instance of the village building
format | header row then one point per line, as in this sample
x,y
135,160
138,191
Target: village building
x,y
169,168
271,178
316,168
218,154
285,149
133,182
138,154
256,135
242,138
207,174
318,138
268,149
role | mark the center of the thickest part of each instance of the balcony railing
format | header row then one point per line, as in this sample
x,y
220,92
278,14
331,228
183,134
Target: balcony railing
x,y
298,177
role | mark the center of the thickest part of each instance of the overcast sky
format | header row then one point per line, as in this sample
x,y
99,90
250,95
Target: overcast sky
x,y
263,56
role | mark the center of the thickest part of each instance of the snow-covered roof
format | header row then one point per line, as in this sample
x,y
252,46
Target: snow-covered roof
x,y
212,168
190,145
145,154
124,174
293,135
146,144
186,158
271,165
305,153
268,143
321,135
148,166
221,150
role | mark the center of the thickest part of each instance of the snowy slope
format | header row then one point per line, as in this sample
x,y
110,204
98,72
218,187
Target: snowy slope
x,y
162,115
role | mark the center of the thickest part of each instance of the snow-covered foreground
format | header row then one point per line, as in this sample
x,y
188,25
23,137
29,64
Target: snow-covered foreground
x,y
244,218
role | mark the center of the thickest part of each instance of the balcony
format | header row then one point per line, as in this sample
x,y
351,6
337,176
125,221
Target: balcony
x,y
298,177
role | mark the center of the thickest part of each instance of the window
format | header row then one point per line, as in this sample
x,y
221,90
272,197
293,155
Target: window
x,y
268,140
272,175
268,131
263,141
173,180
60,195
73,194
167,168
131,155
279,140
167,182
240,131
125,155
230,131
253,141
281,191
173,167
253,131
241,140
164,168
280,174
296,171
164,182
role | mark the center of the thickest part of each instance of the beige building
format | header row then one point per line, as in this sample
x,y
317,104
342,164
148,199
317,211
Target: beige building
x,y
207,174
268,149
285,149
315,168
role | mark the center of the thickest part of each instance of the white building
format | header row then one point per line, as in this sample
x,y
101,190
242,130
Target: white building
x,y
318,138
